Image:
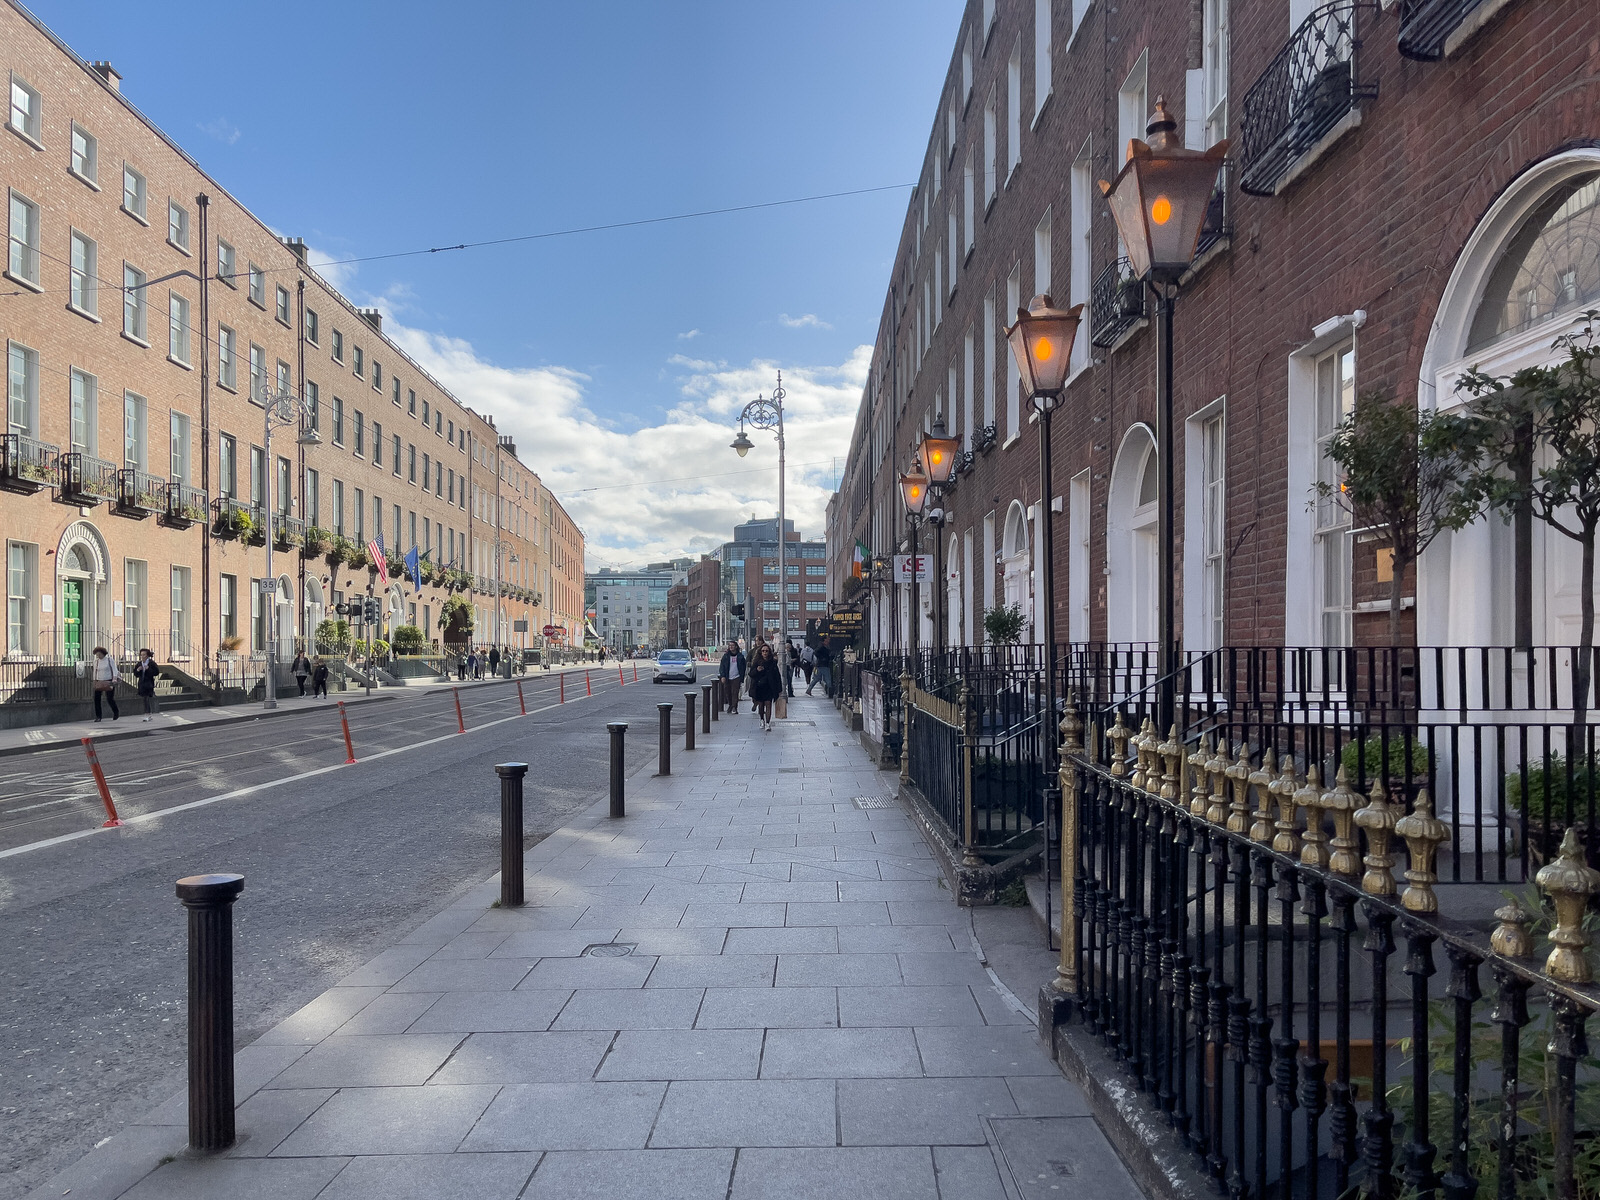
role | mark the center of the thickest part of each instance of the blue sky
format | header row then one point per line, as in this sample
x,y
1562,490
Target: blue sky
x,y
615,356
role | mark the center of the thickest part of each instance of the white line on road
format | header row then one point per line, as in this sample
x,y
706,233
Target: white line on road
x,y
271,783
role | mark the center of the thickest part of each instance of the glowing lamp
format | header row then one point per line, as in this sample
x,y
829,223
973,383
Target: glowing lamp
x,y
939,453
914,489
1041,342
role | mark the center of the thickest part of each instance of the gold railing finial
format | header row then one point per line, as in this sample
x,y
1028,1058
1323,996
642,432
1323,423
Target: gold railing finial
x,y
1199,785
1314,841
1423,832
1172,751
1239,776
1342,802
1286,840
1378,819
1511,936
1217,769
1118,735
1569,881
1261,780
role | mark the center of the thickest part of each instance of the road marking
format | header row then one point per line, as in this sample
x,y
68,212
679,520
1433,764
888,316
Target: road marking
x,y
273,783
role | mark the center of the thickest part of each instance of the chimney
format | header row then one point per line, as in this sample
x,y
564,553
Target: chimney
x,y
110,74
297,247
372,317
508,444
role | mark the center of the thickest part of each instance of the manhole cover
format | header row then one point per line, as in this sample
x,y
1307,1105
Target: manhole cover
x,y
873,801
610,950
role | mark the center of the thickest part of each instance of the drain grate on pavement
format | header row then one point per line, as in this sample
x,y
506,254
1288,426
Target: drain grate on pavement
x,y
873,801
610,950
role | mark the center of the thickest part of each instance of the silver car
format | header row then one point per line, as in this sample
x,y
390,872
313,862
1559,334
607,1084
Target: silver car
x,y
674,664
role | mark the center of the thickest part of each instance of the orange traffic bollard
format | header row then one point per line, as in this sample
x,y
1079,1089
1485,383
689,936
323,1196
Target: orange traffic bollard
x,y
636,672
112,820
621,682
459,721
563,678
521,701
349,749
588,688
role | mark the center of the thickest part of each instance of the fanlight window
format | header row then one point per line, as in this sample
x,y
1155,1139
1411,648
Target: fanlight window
x,y
1551,265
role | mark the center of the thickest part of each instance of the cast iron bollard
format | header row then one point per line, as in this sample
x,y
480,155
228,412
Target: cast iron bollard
x,y
714,690
617,729
688,720
511,832
209,899
664,748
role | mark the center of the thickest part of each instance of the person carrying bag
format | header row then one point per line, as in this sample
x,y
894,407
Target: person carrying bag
x,y
105,682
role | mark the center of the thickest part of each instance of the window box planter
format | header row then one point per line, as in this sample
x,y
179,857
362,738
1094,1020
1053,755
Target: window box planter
x,y
26,464
185,506
84,480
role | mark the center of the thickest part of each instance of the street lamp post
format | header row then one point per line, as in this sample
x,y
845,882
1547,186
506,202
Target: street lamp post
x,y
1041,342
1159,200
278,408
914,491
939,458
767,413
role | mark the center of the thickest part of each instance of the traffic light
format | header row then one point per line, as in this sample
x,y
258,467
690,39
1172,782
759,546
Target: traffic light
x,y
372,610
737,610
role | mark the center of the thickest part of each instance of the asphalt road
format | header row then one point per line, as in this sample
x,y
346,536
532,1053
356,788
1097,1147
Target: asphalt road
x,y
337,865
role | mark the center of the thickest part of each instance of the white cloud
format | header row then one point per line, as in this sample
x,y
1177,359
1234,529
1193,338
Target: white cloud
x,y
805,321
672,487
222,129
689,334
340,275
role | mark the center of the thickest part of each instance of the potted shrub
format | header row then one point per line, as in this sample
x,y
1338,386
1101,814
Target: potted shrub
x,y
408,639
1393,768
316,542
1550,786
357,558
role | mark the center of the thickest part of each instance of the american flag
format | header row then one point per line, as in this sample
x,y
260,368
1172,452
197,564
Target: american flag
x,y
380,560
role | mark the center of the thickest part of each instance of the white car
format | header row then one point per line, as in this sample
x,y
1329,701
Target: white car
x,y
674,664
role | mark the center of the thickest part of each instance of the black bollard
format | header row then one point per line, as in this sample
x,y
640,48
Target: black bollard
x,y
209,899
511,832
688,720
706,708
664,746
617,729
715,690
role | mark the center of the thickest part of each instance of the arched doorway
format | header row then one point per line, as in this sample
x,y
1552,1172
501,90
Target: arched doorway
x,y
1525,277
284,617
316,610
83,589
952,592
1015,558
1132,551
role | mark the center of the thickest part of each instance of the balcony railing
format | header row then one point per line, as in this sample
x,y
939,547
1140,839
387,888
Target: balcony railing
x,y
85,480
1426,26
1309,86
1116,303
287,532
139,493
232,518
1218,225
185,506
26,464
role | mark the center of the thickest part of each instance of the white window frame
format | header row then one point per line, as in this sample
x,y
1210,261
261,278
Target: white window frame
x,y
135,431
1041,57
258,373
178,329
282,310
26,116
83,266
227,263
1042,254
83,412
991,137
22,256
969,208
1204,482
1014,110
179,428
135,309
1215,56
257,285
1080,260
989,337
1013,379
177,226
313,327
135,198
84,163
1332,524
227,358
22,587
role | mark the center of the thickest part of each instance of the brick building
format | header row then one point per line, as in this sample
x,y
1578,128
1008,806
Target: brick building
x,y
1411,188
145,313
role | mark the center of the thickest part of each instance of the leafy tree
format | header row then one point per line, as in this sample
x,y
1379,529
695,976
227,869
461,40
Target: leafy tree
x,y
333,634
1003,624
1533,443
408,639
1398,473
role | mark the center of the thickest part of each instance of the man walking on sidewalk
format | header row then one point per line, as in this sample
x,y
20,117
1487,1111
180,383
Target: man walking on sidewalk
x,y
824,669
730,674
144,674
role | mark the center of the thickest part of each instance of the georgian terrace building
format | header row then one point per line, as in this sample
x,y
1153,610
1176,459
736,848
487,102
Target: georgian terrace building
x,y
145,311
1411,188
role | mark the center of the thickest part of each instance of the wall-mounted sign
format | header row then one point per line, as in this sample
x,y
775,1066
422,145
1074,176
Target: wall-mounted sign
x,y
909,568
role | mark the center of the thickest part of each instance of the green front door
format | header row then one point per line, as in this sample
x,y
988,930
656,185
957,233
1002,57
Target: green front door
x,y
72,619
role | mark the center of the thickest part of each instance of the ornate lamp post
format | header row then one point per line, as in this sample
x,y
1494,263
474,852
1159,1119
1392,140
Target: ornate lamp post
x,y
279,409
1041,342
767,413
914,491
1159,200
939,457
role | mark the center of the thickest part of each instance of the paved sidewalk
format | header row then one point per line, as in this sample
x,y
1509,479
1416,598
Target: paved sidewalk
x,y
752,986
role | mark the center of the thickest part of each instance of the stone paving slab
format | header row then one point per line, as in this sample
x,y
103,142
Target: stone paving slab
x,y
747,988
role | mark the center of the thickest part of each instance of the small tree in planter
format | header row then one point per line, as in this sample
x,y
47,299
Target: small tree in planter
x,y
408,639
1398,472
1554,408
316,542
333,636
1003,624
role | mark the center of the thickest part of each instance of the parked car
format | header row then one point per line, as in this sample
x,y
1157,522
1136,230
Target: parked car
x,y
674,664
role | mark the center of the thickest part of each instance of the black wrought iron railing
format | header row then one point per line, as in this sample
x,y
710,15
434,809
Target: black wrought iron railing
x,y
1426,26
1116,303
1242,969
139,493
185,506
85,480
27,465
1218,225
233,518
1309,86
287,532
936,765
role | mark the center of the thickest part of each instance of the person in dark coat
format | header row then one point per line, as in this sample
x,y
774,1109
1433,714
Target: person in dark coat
x,y
766,683
301,669
730,675
319,680
145,672
824,669
494,660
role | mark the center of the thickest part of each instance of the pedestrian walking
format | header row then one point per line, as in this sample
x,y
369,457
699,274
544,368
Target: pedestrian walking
x,y
494,660
472,664
825,669
602,656
105,682
319,680
808,664
302,671
144,674
791,666
461,667
730,675
766,683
